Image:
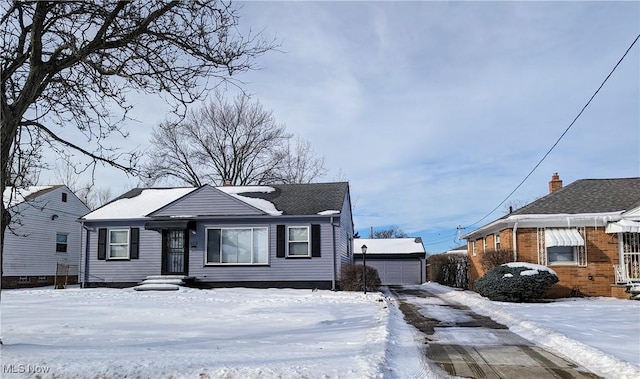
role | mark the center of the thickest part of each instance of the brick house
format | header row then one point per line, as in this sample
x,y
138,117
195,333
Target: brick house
x,y
588,232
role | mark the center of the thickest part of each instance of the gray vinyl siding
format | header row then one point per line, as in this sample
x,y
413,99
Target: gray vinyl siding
x,y
31,251
207,201
123,271
345,241
277,269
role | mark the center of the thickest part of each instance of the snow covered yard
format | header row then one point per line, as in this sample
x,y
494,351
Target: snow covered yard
x,y
279,333
228,333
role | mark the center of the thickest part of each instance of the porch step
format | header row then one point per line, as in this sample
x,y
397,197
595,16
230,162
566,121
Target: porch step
x,y
157,287
163,283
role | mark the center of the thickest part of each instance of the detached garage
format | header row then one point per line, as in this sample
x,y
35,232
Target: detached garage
x,y
398,260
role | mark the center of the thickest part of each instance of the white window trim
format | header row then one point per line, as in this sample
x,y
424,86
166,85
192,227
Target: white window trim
x,y
473,248
308,241
109,244
496,241
573,262
206,246
579,252
66,243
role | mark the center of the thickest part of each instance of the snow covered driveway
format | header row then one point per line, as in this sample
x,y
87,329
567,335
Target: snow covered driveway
x,y
230,333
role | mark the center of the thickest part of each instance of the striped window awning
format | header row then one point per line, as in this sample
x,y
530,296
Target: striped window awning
x,y
562,237
623,226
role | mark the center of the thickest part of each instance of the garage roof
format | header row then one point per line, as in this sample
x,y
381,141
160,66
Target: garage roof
x,y
386,246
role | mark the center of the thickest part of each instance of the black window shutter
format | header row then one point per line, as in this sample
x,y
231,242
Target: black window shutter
x,y
315,240
102,243
134,238
280,242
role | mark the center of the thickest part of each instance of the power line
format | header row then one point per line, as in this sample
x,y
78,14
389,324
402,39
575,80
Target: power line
x,y
559,138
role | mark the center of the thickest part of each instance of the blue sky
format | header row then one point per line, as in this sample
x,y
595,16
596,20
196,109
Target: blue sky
x,y
435,111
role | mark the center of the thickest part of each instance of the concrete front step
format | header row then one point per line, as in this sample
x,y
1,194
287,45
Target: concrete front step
x,y
157,287
168,277
162,283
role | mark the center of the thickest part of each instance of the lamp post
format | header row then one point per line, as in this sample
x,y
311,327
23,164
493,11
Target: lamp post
x,y
364,267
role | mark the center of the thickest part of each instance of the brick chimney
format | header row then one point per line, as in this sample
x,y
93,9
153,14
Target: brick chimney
x,y
227,183
555,183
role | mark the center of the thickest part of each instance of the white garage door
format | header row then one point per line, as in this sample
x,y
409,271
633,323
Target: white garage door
x,y
399,271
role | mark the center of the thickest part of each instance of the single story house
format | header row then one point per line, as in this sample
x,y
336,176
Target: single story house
x,y
398,260
43,233
285,235
588,232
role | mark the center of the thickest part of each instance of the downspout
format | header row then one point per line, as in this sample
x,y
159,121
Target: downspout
x,y
84,238
333,244
515,242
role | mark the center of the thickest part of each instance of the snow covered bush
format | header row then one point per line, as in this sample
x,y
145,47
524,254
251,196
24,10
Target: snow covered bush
x,y
516,282
351,278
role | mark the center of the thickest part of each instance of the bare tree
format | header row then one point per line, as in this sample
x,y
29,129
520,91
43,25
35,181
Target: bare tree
x,y
300,165
72,64
239,142
88,193
393,231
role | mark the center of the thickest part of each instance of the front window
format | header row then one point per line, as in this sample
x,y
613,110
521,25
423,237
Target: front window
x,y
496,239
61,242
561,255
237,246
118,244
298,241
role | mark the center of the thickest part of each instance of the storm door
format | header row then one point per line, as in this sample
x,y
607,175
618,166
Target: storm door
x,y
175,257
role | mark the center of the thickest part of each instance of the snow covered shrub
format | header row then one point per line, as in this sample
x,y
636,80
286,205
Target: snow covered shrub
x,y
516,282
492,258
351,278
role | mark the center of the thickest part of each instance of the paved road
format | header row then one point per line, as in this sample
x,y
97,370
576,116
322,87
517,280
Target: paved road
x,y
474,346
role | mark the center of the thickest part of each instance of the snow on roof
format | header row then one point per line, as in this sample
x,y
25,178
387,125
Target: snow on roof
x,y
329,212
138,206
389,245
264,205
13,196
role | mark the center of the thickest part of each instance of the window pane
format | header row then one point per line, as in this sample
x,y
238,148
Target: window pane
x,y
236,246
61,238
558,254
61,248
298,234
298,248
118,251
213,246
119,236
260,245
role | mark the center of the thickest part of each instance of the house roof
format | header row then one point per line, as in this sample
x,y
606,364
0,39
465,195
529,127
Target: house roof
x,y
301,199
280,199
588,196
14,196
583,201
389,245
137,203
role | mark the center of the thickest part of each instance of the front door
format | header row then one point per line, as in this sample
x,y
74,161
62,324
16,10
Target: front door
x,y
175,257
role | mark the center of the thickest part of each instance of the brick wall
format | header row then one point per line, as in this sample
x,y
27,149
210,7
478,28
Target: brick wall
x,y
596,279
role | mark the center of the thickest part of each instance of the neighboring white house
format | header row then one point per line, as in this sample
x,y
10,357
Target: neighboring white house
x,y
398,260
44,231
